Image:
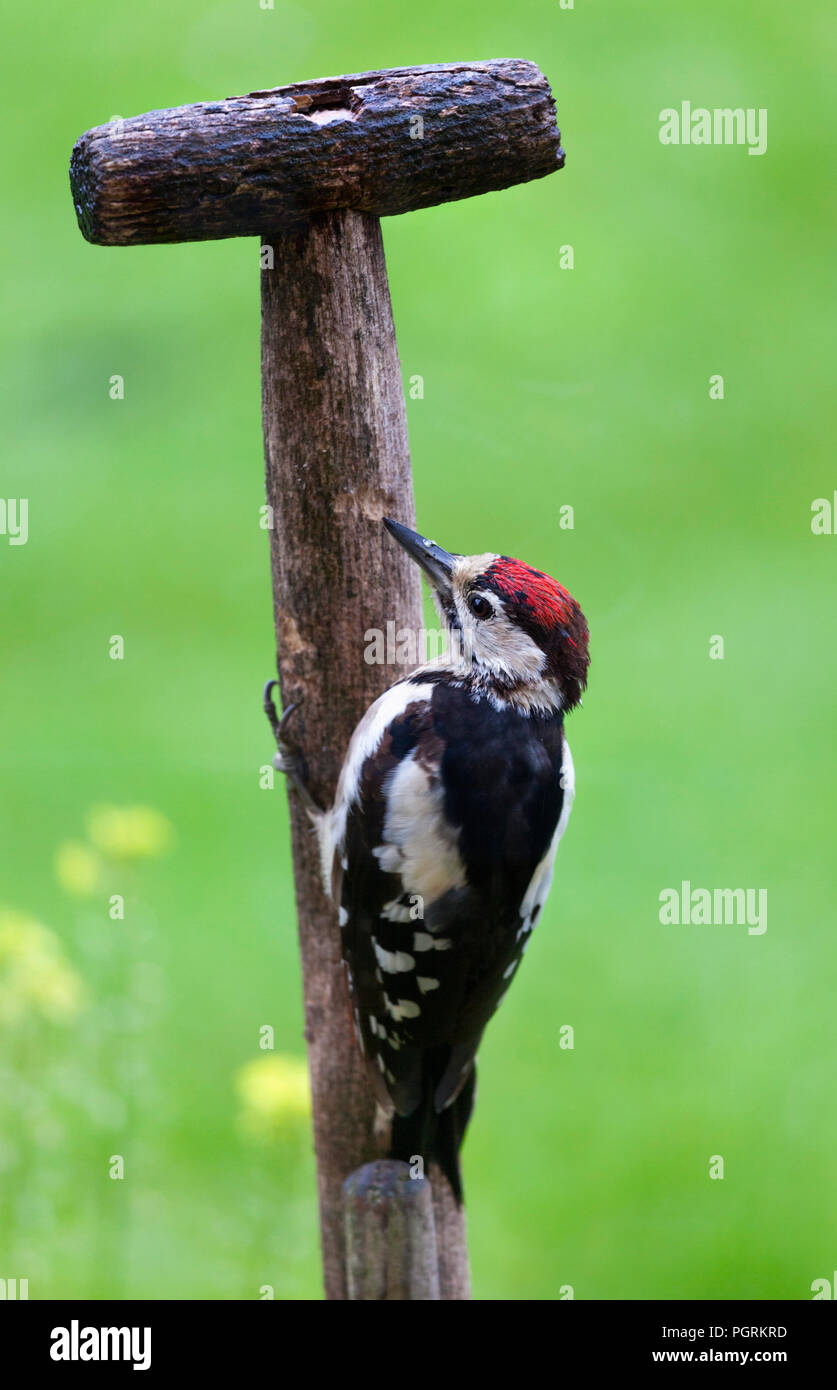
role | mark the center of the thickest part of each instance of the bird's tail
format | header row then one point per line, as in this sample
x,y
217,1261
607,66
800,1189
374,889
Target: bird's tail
x,y
436,1136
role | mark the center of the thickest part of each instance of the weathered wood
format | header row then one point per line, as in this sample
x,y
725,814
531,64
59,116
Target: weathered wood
x,y
377,142
390,1235
337,462
451,1239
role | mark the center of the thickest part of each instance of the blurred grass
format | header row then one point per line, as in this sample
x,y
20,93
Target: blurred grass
x,y
542,387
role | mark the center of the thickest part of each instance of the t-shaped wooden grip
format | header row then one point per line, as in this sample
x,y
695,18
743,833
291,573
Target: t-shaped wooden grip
x,y
377,142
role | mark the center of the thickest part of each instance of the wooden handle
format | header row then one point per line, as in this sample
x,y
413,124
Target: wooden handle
x,y
390,1235
378,142
338,461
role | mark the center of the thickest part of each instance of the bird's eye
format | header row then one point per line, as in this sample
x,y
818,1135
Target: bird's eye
x,y
480,606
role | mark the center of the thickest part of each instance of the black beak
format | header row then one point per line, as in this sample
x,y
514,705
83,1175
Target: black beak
x,y
437,563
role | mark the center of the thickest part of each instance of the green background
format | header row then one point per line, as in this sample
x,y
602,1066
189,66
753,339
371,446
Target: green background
x,y
543,387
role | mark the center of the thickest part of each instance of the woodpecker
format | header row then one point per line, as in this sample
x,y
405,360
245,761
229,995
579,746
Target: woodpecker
x,y
438,850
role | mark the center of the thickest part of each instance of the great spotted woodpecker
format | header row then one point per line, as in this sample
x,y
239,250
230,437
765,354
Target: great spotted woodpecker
x,y
439,848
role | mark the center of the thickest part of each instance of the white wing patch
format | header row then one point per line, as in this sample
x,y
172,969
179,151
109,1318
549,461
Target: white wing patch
x,y
402,1008
392,961
419,842
423,941
394,911
364,741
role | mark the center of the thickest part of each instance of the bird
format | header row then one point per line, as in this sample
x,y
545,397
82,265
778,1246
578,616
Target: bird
x,y
438,849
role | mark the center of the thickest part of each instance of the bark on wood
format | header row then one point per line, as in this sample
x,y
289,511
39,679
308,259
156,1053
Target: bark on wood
x,y
378,142
337,462
390,1235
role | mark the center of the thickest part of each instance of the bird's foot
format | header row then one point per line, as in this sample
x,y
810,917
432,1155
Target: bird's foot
x,y
288,757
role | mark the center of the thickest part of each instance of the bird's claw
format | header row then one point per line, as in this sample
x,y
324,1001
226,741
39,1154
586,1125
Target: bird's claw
x,y
288,757
270,709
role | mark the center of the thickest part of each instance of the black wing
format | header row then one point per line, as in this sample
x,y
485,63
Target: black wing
x,y
455,811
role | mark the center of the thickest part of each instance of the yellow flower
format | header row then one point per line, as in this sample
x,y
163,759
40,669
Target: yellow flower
x,y
77,868
275,1097
35,976
129,832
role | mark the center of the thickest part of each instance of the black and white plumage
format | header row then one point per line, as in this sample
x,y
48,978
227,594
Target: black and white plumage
x,y
439,848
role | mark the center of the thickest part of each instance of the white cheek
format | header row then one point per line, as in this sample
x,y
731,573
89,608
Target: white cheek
x,y
514,648
498,644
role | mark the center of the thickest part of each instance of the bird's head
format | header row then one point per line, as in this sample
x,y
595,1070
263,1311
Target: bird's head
x,y
515,626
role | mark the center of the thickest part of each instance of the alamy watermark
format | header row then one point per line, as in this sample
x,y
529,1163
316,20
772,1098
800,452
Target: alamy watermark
x,y
409,646
824,519
82,1343
714,907
14,519
721,126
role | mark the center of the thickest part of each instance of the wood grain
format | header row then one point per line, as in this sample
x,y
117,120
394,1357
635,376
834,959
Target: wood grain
x,y
337,462
390,1235
377,142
